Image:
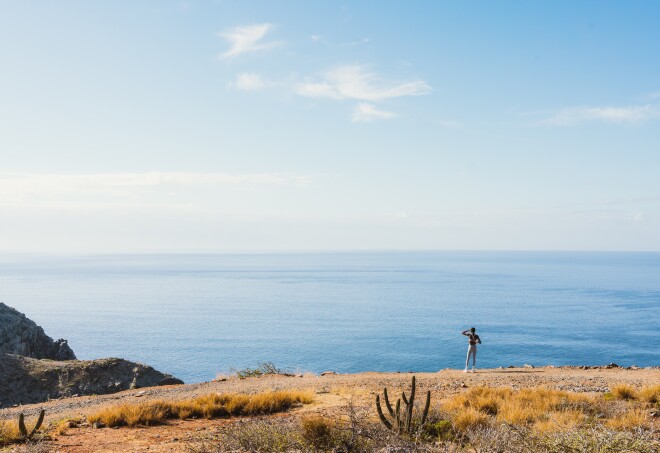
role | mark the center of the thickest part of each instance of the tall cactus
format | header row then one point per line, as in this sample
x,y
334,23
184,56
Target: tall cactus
x,y
23,429
396,422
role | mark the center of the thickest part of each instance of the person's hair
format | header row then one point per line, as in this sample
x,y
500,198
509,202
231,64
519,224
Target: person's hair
x,y
472,330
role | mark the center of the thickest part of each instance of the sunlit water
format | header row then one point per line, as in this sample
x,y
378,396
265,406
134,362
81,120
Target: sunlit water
x,y
197,315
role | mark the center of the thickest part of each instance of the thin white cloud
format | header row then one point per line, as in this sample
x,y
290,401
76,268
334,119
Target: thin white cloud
x,y
629,114
248,38
249,82
355,82
146,179
18,187
366,113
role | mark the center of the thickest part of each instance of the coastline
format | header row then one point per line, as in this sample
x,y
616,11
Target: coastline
x,y
446,382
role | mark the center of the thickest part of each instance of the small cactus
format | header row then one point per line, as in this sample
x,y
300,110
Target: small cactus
x,y
23,429
402,421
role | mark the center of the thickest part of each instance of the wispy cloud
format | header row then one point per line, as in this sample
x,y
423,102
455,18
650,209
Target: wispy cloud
x,y
247,81
145,179
357,83
19,187
248,38
628,114
366,113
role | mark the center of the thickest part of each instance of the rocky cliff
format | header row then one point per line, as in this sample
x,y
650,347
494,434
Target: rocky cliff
x,y
34,368
22,336
24,380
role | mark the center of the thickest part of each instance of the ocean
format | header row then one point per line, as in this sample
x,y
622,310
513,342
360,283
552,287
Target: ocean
x,y
195,316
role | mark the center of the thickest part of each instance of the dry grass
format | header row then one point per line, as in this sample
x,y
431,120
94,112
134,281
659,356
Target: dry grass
x,y
650,394
624,392
9,432
319,432
62,427
547,410
629,420
469,418
208,406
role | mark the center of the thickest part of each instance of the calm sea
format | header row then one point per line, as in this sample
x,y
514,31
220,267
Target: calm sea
x,y
197,315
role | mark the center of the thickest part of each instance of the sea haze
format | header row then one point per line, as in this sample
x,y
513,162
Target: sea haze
x,y
197,315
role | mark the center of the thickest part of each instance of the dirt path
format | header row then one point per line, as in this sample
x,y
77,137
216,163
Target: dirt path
x,y
332,393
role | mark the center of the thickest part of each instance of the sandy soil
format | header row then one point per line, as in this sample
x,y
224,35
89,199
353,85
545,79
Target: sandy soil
x,y
332,394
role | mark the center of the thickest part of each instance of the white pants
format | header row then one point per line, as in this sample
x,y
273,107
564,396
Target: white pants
x,y
472,350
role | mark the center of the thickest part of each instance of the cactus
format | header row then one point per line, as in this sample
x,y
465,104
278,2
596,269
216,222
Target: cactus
x,y
23,429
402,421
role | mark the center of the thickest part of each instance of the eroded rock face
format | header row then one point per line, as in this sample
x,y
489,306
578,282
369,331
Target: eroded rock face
x,y
22,336
24,380
34,368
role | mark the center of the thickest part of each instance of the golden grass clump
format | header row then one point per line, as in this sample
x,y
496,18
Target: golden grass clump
x,y
522,407
560,421
548,410
9,432
624,392
650,394
628,420
207,406
318,431
469,418
61,427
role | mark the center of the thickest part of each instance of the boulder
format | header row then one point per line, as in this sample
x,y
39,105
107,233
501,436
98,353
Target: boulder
x,y
24,380
22,336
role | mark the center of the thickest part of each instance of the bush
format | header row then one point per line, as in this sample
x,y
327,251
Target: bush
x,y
262,369
318,432
258,436
440,430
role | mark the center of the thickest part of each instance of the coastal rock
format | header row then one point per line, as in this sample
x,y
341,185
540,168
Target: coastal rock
x,y
22,336
24,380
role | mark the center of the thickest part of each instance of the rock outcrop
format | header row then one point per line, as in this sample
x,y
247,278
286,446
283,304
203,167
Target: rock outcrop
x,y
34,368
24,380
22,336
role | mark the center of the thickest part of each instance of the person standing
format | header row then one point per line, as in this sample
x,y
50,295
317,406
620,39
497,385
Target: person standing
x,y
473,340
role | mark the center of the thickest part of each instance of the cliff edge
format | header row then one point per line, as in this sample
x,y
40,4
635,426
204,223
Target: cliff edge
x,y
34,368
24,380
21,336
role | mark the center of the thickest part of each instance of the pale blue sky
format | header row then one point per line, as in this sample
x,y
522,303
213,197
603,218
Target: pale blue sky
x,y
175,126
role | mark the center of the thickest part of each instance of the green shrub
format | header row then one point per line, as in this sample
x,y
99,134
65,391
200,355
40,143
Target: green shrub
x,y
262,369
440,430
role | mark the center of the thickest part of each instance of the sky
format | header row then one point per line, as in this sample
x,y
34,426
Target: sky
x,y
263,126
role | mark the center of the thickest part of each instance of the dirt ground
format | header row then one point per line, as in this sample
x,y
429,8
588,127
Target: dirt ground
x,y
332,394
